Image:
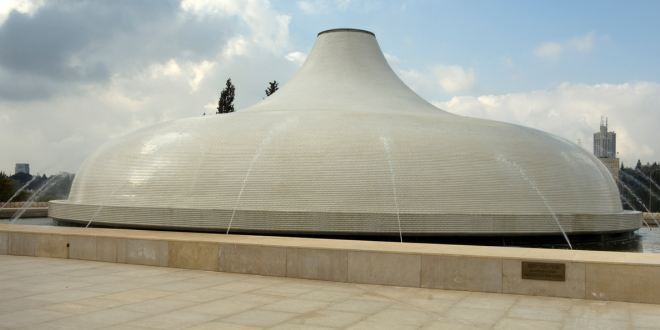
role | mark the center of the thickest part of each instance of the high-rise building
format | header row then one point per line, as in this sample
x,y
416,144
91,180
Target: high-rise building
x,y
604,141
605,148
22,168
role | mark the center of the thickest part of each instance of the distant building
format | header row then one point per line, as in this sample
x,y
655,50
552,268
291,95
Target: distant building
x,y
605,148
22,168
604,141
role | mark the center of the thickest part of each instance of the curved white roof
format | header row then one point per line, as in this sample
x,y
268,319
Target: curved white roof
x,y
346,147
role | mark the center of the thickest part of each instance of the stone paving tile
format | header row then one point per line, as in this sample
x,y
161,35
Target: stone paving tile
x,y
293,305
221,307
153,271
202,295
214,325
9,294
400,316
525,324
289,289
343,287
20,304
360,306
645,309
179,286
486,302
328,318
370,325
646,321
123,267
34,295
138,295
325,295
100,302
101,279
448,324
478,317
64,296
125,327
366,295
42,278
98,319
259,317
441,294
430,305
390,292
157,306
88,272
159,279
536,313
572,323
73,308
10,268
173,320
591,309
294,326
116,287
29,317
551,302
55,286
238,286
220,278
254,298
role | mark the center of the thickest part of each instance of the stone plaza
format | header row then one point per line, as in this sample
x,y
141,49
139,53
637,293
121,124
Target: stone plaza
x,y
49,293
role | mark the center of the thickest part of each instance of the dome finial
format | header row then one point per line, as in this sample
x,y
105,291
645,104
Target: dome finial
x,y
346,30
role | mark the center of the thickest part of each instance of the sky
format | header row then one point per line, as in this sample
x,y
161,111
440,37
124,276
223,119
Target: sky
x,y
76,74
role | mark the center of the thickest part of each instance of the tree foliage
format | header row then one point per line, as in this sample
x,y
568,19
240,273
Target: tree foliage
x,y
641,193
58,188
272,88
226,102
6,187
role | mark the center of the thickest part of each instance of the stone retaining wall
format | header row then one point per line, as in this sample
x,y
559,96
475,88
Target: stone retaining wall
x,y
616,276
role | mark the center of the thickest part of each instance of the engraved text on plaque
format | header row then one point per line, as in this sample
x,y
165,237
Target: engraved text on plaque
x,y
543,271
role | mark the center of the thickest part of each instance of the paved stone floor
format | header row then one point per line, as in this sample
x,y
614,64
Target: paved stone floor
x,y
42,293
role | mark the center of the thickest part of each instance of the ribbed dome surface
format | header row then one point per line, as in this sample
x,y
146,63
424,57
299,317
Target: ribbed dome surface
x,y
345,147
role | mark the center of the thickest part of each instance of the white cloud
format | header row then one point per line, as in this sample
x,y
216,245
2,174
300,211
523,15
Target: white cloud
x,y
175,70
297,57
573,111
312,7
192,72
583,44
392,60
236,46
454,79
549,50
451,79
28,7
318,6
553,50
507,62
269,29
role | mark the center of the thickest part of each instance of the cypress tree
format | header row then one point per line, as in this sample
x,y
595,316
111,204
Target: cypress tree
x,y
226,102
272,88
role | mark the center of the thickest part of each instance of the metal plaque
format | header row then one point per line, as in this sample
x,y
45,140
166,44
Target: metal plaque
x,y
543,271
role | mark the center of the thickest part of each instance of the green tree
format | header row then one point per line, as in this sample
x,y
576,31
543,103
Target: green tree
x,y
639,165
272,88
6,187
22,178
226,102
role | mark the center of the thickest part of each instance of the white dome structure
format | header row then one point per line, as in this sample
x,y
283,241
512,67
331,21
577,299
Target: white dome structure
x,y
346,148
